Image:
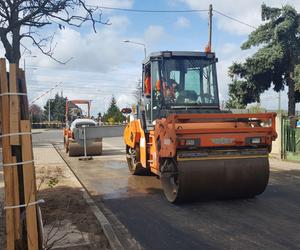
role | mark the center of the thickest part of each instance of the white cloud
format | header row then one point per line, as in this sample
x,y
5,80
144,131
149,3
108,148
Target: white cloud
x,y
114,3
102,66
154,33
247,11
101,51
227,54
182,22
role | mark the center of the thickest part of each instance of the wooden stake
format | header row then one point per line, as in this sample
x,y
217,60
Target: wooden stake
x,y
29,187
14,105
7,158
16,201
24,99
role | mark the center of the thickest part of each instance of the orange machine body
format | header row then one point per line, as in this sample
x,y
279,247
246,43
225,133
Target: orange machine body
x,y
202,135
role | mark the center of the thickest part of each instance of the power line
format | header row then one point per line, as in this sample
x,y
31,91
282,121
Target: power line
x,y
235,19
76,70
175,11
148,11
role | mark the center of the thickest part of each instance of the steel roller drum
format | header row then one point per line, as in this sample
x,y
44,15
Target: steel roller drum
x,y
93,149
217,178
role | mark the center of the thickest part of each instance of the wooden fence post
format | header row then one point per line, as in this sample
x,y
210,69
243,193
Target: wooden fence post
x,y
20,182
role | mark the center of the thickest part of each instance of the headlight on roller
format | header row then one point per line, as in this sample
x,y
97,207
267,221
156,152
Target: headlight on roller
x,y
189,142
254,140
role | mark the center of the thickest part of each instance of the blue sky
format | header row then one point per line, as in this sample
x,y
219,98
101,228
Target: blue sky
x,y
103,65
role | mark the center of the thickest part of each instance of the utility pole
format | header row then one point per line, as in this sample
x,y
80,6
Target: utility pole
x,y
49,110
279,102
208,48
210,14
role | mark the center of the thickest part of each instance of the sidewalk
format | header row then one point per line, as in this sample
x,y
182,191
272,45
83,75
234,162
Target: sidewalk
x,y
65,210
39,130
68,220
283,165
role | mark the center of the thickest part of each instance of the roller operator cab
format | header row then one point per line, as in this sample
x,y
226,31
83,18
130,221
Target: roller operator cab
x,y
180,82
180,134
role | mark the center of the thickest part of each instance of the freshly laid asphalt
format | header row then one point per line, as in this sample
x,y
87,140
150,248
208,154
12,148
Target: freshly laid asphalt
x,y
269,221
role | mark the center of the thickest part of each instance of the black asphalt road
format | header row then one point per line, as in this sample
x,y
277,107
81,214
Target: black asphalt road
x,y
269,221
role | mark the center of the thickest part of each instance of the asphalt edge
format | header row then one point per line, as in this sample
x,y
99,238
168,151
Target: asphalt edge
x,y
107,228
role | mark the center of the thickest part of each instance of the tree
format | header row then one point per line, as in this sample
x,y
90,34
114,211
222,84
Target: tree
x,y
57,108
36,113
113,113
276,62
256,108
138,91
22,19
237,95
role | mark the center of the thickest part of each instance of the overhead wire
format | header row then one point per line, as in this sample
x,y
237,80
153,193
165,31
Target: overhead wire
x,y
68,69
123,91
234,19
174,11
147,11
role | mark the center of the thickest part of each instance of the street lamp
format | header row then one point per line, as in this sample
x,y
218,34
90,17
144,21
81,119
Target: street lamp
x,y
141,44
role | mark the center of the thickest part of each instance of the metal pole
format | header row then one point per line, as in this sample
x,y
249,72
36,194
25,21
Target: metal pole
x,y
49,111
279,102
85,157
84,142
46,92
145,51
210,14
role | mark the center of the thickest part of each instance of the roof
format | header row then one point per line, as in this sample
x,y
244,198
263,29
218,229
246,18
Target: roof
x,y
178,53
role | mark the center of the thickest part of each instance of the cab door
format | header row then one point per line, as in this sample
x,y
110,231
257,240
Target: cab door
x,y
151,95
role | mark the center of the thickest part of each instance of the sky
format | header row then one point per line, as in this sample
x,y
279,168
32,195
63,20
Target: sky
x,y
103,65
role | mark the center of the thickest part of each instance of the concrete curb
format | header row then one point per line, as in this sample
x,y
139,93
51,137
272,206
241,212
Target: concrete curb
x,y
107,228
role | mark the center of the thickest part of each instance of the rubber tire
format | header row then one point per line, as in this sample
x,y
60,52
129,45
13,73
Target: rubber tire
x,y
136,167
169,185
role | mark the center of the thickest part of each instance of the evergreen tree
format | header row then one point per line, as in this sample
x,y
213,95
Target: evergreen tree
x,y
57,108
237,95
276,63
113,113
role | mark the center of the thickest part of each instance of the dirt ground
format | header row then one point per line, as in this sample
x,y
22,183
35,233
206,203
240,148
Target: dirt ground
x,y
68,220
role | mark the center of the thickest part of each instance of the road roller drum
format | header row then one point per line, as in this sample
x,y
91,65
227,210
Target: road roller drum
x,y
209,179
93,149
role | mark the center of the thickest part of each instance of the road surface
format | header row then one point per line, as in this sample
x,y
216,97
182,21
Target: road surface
x,y
269,221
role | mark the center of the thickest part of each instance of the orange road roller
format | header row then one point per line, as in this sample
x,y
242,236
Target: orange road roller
x,y
180,134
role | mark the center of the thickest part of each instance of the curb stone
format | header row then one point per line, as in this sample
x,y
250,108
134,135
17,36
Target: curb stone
x,y
113,240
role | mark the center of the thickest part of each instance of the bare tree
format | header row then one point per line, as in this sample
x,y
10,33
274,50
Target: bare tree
x,y
23,19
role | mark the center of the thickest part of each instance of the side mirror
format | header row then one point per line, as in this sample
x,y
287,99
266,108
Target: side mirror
x,y
126,110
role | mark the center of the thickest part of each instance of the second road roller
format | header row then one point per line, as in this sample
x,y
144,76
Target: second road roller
x,y
75,119
180,134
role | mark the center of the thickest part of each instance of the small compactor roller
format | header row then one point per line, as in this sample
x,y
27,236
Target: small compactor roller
x,y
75,120
180,134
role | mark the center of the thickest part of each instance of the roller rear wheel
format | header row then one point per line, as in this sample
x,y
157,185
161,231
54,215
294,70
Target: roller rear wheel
x,y
169,180
133,160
